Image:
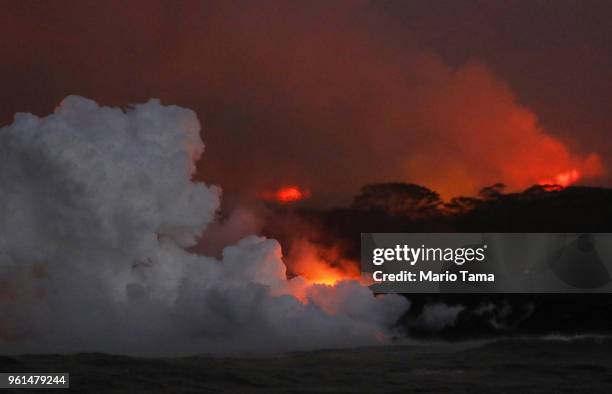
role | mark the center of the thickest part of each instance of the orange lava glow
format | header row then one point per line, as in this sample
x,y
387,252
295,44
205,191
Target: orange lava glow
x,y
319,272
290,194
287,194
563,179
320,265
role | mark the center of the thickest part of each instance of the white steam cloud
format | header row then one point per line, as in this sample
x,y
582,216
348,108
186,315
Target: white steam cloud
x,y
97,208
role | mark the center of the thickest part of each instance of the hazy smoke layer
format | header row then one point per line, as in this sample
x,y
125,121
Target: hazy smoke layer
x,y
316,95
334,95
97,207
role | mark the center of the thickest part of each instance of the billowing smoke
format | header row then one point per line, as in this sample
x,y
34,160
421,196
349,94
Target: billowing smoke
x,y
328,100
437,316
324,95
98,208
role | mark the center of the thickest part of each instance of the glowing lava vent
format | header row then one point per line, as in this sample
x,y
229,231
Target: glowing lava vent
x,y
287,194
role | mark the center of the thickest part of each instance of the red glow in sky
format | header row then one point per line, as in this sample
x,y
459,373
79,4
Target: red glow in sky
x,y
563,179
288,194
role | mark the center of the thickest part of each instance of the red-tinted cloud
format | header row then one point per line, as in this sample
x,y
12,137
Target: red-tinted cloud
x,y
309,94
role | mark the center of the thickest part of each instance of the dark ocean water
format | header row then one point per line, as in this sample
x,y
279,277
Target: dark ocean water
x,y
551,364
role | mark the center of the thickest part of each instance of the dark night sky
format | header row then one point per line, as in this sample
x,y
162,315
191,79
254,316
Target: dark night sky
x,y
334,96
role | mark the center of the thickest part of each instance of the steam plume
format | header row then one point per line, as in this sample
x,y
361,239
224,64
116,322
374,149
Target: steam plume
x,y
98,208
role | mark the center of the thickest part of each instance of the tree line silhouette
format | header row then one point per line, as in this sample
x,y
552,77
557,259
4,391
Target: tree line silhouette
x,y
407,207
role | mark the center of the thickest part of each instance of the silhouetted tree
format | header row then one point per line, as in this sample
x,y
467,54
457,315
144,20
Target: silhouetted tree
x,y
398,199
492,192
540,190
459,205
